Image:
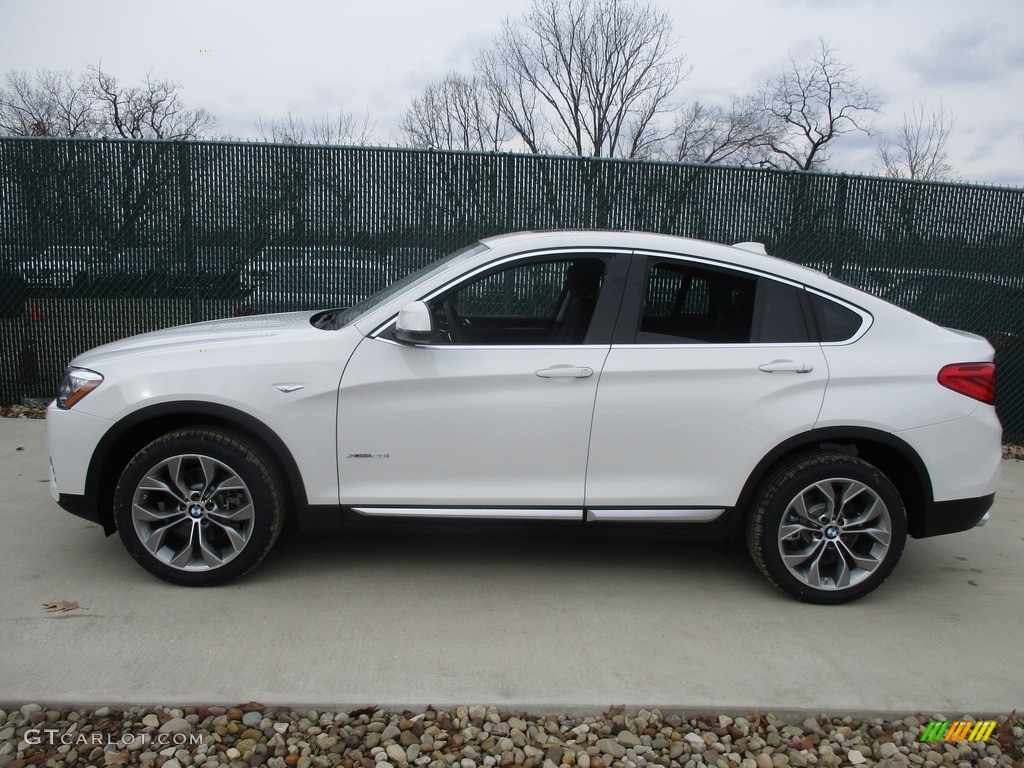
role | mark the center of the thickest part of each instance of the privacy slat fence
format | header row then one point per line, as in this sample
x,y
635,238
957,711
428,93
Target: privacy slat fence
x,y
101,239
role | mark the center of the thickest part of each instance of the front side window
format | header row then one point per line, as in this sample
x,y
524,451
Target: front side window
x,y
546,301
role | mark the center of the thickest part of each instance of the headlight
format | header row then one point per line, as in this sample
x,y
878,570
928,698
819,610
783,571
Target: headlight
x,y
76,384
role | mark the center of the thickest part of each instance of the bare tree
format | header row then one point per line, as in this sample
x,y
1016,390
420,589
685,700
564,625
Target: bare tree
x,y
343,128
455,112
515,98
152,110
96,104
705,133
49,104
812,103
589,77
919,148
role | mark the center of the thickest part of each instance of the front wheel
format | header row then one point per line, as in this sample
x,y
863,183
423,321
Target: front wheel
x,y
827,529
198,507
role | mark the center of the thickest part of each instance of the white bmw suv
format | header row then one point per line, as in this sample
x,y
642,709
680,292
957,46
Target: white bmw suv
x,y
582,381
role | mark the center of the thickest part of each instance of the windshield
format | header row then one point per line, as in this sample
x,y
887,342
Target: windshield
x,y
335,319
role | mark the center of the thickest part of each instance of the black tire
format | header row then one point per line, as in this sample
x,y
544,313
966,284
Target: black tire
x,y
199,507
827,528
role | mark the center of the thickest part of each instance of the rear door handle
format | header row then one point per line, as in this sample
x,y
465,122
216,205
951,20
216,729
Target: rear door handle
x,y
565,372
786,366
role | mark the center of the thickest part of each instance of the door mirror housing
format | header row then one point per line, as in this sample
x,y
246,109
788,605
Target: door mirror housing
x,y
414,324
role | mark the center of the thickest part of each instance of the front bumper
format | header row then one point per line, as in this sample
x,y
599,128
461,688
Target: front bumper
x,y
72,437
86,508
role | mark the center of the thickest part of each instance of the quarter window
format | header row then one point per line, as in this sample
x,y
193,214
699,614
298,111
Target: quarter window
x,y
835,322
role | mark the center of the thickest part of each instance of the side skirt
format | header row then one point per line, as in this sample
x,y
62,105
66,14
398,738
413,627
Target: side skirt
x,y
696,522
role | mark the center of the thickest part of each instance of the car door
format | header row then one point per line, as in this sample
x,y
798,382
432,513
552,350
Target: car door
x,y
710,369
495,411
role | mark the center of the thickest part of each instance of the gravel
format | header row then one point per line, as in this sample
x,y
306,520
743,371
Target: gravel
x,y
28,410
1015,452
252,735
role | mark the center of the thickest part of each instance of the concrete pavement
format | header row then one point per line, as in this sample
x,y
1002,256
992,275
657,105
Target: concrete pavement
x,y
526,623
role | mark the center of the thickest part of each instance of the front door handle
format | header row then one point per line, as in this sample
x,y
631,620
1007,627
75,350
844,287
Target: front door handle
x,y
786,366
565,372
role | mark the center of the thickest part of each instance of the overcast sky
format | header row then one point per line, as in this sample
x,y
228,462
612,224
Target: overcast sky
x,y
252,59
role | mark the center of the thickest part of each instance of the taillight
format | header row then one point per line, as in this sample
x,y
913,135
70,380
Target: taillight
x,y
977,380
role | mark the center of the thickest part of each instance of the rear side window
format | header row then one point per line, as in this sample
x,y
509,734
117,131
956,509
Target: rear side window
x,y
834,321
691,303
779,317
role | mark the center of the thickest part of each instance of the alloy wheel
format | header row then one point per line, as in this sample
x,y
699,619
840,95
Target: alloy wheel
x,y
193,512
834,534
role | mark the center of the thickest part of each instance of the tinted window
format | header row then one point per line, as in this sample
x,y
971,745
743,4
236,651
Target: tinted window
x,y
694,304
690,304
532,302
835,322
779,316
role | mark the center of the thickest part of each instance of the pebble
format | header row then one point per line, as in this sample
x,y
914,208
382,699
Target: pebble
x,y
628,739
887,750
610,747
254,736
176,725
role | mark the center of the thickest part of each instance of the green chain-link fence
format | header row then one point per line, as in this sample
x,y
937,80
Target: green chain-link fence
x,y
102,239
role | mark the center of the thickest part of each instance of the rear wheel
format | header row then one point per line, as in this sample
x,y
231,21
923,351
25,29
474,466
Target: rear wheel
x,y
198,507
827,528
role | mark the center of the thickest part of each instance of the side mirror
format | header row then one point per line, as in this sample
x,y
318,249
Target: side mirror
x,y
414,324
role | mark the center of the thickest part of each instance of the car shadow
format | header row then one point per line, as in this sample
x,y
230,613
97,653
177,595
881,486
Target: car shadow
x,y
558,558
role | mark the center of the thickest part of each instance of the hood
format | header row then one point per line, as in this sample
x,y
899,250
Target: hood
x,y
236,329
